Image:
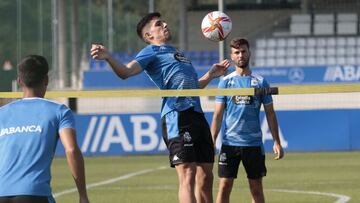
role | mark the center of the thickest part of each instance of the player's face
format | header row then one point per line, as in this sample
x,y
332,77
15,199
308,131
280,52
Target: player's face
x,y
158,31
241,56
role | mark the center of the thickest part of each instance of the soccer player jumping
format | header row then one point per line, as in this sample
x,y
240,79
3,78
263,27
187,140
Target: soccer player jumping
x,y
185,130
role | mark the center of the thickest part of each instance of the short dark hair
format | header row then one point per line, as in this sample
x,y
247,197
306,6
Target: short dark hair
x,y
144,21
32,70
237,42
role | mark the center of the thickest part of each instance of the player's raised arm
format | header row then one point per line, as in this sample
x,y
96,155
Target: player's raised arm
x,y
100,52
216,70
75,161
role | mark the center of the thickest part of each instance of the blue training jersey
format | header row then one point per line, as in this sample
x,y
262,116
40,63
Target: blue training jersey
x,y
242,113
29,132
169,69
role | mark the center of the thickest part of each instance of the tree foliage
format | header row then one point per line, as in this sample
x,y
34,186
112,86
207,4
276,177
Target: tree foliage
x,y
33,25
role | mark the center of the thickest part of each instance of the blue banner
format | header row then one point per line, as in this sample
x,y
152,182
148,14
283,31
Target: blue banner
x,y
103,79
134,134
310,74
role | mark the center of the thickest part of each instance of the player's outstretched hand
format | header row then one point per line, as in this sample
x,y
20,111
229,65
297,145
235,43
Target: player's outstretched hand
x,y
99,51
278,150
219,69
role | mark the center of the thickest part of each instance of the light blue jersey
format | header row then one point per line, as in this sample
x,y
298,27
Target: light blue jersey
x,y
169,69
29,132
241,114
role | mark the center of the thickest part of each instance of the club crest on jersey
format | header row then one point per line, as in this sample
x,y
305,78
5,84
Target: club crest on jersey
x,y
187,137
181,58
242,100
222,157
254,83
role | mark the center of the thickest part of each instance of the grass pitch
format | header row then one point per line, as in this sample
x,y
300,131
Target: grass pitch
x,y
325,177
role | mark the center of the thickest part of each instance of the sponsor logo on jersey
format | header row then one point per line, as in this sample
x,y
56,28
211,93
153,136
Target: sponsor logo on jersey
x,y
20,129
179,57
242,100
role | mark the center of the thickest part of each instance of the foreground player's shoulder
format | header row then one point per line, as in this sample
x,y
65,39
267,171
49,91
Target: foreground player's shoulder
x,y
51,104
63,113
6,109
6,106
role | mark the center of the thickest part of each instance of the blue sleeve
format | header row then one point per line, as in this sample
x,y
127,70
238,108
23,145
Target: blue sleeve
x,y
267,99
145,57
221,98
67,119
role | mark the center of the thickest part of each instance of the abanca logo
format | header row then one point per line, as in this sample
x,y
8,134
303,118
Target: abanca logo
x,y
20,129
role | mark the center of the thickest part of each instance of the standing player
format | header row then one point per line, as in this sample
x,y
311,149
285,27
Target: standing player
x,y
29,131
242,138
185,130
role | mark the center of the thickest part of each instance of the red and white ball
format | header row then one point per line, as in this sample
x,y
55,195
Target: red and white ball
x,y
216,26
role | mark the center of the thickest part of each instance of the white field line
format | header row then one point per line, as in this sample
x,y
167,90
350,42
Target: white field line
x,y
341,198
109,181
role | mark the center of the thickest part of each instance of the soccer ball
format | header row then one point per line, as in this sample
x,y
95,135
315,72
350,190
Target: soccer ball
x,y
216,26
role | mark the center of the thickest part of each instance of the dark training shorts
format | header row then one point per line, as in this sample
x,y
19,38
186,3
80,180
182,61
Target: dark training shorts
x,y
24,199
253,159
188,138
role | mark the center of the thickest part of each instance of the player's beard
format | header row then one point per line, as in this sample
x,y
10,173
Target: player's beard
x,y
243,65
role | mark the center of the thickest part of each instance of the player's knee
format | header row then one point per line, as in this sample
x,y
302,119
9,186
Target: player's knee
x,y
256,190
205,175
225,187
206,181
190,172
208,178
188,177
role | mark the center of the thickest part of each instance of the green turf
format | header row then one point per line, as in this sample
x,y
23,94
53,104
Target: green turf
x,y
325,172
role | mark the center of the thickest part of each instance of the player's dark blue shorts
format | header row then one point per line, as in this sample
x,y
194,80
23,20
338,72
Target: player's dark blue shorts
x,y
253,159
187,136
